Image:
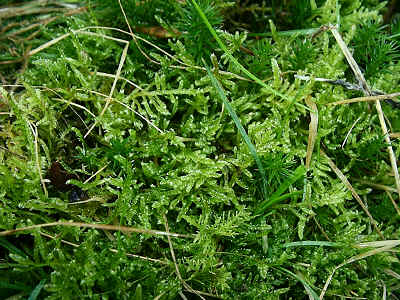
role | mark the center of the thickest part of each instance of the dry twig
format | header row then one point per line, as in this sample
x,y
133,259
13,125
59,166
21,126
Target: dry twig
x,y
96,226
178,273
367,91
353,191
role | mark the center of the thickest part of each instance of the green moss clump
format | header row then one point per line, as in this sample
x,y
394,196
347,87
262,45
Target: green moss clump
x,y
168,146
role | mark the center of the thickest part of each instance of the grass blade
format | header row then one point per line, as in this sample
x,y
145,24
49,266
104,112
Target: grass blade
x,y
307,287
239,126
356,258
276,196
236,62
309,31
311,243
14,286
36,291
10,247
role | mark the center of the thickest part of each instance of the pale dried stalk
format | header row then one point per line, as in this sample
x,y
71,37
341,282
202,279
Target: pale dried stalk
x,y
112,250
178,273
38,166
396,207
48,44
134,36
121,63
395,135
77,105
312,130
10,12
367,91
392,273
353,192
351,129
312,136
113,76
366,99
57,99
95,174
142,257
43,22
128,107
353,259
96,226
376,185
184,65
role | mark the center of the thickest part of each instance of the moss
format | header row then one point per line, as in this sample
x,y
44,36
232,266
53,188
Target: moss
x,y
168,146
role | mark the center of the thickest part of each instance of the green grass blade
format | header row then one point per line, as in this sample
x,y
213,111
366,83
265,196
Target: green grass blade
x,y
138,292
276,196
36,291
285,196
311,243
236,62
308,288
14,286
308,31
10,247
298,173
239,126
338,6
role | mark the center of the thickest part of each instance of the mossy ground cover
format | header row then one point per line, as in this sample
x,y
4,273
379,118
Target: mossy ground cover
x,y
199,150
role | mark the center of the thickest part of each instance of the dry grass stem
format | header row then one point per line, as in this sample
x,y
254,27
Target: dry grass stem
x,y
392,273
182,296
113,76
142,257
396,207
384,290
38,166
353,192
57,99
10,12
79,116
95,174
48,44
367,91
178,273
125,18
312,136
134,36
12,61
159,296
112,250
353,259
86,201
352,63
27,28
77,105
378,244
312,130
43,22
62,241
366,99
96,226
109,98
104,36
184,65
348,134
376,185
128,107
395,135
